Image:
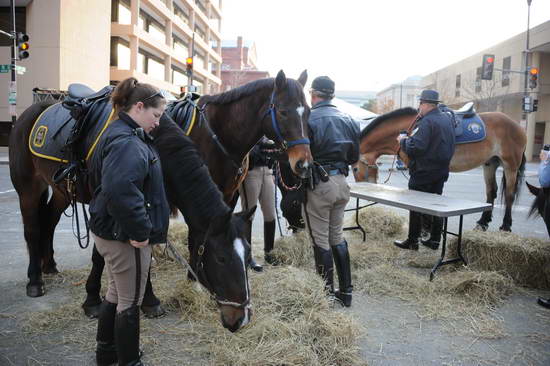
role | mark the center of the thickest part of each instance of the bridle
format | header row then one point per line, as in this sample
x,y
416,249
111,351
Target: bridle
x,y
201,274
275,124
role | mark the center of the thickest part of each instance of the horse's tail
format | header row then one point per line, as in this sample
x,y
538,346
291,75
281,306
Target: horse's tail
x,y
519,180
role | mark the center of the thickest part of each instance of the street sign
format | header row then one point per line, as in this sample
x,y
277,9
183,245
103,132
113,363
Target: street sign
x,y
20,69
5,68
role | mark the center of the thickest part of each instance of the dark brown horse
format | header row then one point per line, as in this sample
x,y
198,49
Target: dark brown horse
x,y
230,126
541,204
504,145
224,250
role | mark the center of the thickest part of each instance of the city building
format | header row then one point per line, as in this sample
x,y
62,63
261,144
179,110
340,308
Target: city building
x,y
400,95
101,42
239,64
461,82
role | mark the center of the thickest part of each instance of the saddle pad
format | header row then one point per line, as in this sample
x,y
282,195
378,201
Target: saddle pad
x,y
184,112
473,130
52,129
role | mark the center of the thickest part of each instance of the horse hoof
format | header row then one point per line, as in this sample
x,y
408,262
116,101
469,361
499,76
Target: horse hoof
x,y
35,290
505,229
91,311
480,227
154,311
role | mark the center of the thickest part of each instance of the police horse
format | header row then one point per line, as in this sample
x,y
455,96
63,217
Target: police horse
x,y
490,139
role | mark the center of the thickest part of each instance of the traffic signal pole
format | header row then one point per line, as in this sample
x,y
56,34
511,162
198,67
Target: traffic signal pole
x,y
526,72
12,98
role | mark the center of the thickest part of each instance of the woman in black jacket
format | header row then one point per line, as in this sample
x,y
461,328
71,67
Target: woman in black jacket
x,y
129,212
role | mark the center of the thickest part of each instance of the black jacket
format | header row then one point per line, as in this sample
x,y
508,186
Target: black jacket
x,y
430,148
334,136
257,157
129,201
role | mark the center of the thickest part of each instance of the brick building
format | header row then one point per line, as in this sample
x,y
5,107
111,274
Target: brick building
x,y
239,64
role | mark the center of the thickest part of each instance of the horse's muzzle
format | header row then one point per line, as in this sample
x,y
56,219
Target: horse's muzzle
x,y
234,319
302,169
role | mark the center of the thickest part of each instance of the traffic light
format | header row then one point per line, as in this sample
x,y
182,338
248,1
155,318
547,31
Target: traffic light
x,y
487,67
527,107
533,77
189,65
22,45
535,105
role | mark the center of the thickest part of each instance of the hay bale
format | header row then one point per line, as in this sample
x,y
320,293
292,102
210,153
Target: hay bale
x,y
526,260
378,223
294,250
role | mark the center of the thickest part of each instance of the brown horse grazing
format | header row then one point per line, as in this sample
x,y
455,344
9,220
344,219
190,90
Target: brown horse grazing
x,y
541,204
229,126
504,144
224,251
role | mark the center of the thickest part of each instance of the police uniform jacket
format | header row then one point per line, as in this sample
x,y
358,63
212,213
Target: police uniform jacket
x,y
430,148
334,136
129,201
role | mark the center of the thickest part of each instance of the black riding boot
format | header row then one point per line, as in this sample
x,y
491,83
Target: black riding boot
x,y
324,266
248,234
415,227
341,260
269,240
127,337
435,234
105,353
544,302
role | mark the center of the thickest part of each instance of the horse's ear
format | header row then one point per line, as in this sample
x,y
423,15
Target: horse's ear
x,y
303,78
280,80
534,190
246,215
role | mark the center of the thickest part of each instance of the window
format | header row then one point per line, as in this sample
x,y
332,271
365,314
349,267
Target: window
x,y
178,77
182,14
120,12
180,48
200,32
150,65
151,26
120,53
478,80
506,66
458,83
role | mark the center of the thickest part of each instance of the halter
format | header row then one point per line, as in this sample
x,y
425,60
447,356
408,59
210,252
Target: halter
x,y
275,124
201,271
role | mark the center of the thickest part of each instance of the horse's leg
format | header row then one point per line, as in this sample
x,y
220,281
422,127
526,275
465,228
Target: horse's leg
x,y
151,304
491,187
32,201
50,216
93,286
509,186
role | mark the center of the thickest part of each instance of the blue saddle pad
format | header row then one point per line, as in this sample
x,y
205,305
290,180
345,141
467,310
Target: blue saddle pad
x,y
472,129
53,127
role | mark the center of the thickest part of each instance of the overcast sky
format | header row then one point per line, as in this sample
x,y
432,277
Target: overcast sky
x,y
370,44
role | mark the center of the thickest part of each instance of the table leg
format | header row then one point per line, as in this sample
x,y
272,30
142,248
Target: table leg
x,y
459,245
357,219
441,261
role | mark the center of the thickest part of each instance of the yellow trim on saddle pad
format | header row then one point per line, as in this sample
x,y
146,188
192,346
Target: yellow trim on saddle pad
x,y
190,128
109,120
31,142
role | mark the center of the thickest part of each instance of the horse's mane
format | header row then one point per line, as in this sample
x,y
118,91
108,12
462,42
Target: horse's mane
x,y
249,89
407,111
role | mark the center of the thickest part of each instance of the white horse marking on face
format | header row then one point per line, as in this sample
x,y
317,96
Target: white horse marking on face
x,y
239,249
300,111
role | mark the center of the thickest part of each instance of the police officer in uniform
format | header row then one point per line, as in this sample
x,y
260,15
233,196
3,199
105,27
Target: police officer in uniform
x,y
430,149
334,145
259,186
129,212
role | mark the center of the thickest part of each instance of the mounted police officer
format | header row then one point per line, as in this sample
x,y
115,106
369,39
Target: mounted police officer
x,y
335,146
129,213
430,148
259,186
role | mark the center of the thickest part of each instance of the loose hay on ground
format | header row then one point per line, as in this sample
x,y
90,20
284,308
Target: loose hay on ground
x,y
294,250
378,222
526,260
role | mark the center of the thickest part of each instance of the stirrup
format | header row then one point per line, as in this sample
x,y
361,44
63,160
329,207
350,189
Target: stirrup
x,y
63,172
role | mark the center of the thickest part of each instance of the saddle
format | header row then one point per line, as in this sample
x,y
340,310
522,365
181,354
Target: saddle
x,y
469,127
60,131
184,111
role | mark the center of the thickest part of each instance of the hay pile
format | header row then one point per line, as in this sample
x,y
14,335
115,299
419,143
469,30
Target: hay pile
x,y
378,222
526,260
294,250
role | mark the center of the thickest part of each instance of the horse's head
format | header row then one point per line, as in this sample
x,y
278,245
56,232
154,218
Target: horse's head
x,y
541,204
289,113
378,138
222,268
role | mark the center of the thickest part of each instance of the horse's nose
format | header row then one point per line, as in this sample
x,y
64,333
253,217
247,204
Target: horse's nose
x,y
302,168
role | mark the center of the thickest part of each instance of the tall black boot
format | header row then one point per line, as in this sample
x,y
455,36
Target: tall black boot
x,y
324,266
415,227
435,234
341,260
127,337
105,353
269,240
248,235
